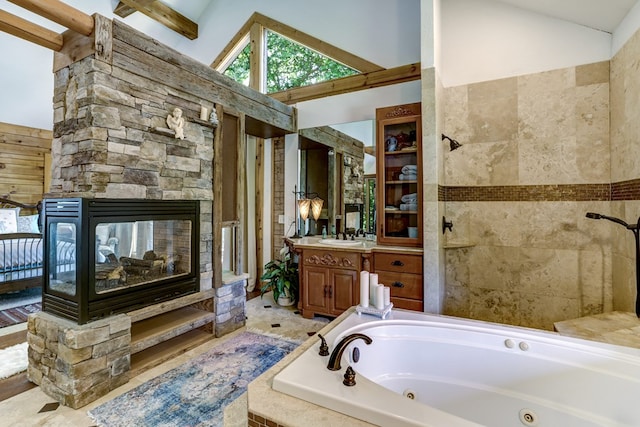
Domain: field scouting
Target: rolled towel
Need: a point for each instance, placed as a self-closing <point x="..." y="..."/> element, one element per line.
<point x="408" y="206"/>
<point x="410" y="198"/>
<point x="410" y="169"/>
<point x="408" y="177"/>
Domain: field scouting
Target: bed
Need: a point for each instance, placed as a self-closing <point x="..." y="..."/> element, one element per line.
<point x="20" y="246"/>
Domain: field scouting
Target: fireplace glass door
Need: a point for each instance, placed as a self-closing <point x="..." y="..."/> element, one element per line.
<point x="129" y="254"/>
<point x="62" y="260"/>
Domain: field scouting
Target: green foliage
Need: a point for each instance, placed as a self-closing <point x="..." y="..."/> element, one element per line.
<point x="281" y="277"/>
<point x="289" y="65"/>
<point x="238" y="70"/>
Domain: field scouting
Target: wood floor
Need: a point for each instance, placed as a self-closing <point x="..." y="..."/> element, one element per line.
<point x="19" y="383"/>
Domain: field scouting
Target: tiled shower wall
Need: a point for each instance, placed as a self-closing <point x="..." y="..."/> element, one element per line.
<point x="535" y="158"/>
<point x="625" y="169"/>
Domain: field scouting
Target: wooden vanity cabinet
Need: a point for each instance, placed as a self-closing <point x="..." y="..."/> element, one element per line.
<point x="330" y="281"/>
<point x="403" y="274"/>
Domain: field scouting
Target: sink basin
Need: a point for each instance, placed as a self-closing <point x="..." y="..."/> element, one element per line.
<point x="340" y="243"/>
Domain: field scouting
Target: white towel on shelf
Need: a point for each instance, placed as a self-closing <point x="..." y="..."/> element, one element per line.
<point x="410" y="198"/>
<point x="408" y="206"/>
<point x="408" y="177"/>
<point x="410" y="169"/>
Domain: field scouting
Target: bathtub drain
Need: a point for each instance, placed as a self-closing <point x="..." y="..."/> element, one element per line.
<point x="410" y="394"/>
<point x="528" y="417"/>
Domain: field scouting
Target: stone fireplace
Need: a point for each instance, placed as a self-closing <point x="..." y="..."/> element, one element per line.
<point x="115" y="91"/>
<point x="109" y="256"/>
<point x="112" y="145"/>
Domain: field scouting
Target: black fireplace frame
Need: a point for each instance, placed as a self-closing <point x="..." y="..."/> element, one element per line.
<point x="88" y="305"/>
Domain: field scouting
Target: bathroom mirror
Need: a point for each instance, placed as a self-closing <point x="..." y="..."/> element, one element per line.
<point x="327" y="168"/>
<point x="363" y="131"/>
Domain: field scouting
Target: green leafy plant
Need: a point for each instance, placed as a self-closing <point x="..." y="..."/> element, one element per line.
<point x="281" y="277"/>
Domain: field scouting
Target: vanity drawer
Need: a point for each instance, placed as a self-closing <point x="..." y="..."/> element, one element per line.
<point x="402" y="285"/>
<point x="407" y="304"/>
<point x="330" y="258"/>
<point x="401" y="263"/>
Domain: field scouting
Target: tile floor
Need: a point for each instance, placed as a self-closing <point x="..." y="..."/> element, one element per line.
<point x="34" y="408"/>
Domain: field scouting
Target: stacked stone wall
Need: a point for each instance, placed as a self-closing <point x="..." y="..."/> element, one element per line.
<point x="76" y="364"/>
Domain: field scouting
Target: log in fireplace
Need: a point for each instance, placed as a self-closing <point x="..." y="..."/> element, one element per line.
<point x="108" y="256"/>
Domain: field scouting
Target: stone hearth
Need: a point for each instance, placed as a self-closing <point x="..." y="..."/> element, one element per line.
<point x="76" y="364"/>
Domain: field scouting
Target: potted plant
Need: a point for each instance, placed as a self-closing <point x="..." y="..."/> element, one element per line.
<point x="281" y="277"/>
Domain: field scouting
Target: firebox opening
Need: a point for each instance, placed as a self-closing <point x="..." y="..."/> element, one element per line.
<point x="108" y="256"/>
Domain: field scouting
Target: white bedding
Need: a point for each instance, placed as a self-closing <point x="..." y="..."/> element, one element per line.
<point x="27" y="253"/>
<point x="20" y="252"/>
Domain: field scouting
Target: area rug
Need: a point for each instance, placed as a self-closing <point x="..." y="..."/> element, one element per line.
<point x="13" y="360"/>
<point x="196" y="393"/>
<point x="15" y="315"/>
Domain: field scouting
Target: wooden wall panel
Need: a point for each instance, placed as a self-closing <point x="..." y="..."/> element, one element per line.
<point x="22" y="162"/>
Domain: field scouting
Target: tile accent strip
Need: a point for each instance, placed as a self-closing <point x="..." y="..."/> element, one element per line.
<point x="258" y="421"/>
<point x="535" y="193"/>
<point x="626" y="190"/>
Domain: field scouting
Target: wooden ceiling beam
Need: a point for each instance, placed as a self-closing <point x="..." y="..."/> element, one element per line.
<point x="402" y="74"/>
<point x="60" y="13"/>
<point x="162" y="13"/>
<point x="123" y="10"/>
<point x="30" y="32"/>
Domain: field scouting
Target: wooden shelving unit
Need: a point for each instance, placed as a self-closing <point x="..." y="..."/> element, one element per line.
<point x="399" y="147"/>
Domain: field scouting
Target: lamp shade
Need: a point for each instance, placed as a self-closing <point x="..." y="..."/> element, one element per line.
<point x="303" y="205"/>
<point x="316" y="207"/>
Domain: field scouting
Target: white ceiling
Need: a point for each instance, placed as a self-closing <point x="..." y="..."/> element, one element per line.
<point x="604" y="15"/>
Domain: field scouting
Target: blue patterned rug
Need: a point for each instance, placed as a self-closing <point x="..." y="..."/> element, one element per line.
<point x="196" y="393"/>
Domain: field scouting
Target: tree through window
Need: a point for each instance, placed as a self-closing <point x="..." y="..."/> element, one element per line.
<point x="289" y="65"/>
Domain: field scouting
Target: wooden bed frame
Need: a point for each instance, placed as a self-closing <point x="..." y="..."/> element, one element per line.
<point x="29" y="279"/>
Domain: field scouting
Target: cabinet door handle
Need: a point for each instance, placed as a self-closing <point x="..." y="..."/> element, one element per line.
<point x="397" y="285"/>
<point x="325" y="291"/>
<point x="397" y="263"/>
<point x="330" y="291"/>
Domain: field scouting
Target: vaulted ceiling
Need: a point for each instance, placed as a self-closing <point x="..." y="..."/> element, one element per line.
<point x="603" y="15"/>
<point x="188" y="26"/>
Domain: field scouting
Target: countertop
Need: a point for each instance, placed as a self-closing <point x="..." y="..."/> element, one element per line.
<point x="358" y="245"/>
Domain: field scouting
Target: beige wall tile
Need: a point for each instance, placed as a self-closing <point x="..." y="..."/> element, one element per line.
<point x="592" y="73"/>
<point x="494" y="267"/>
<point x="541" y="311"/>
<point x="549" y="272"/>
<point x="493" y="111"/>
<point x="548" y="160"/>
<point x="490" y="163"/>
<point x="495" y="306"/>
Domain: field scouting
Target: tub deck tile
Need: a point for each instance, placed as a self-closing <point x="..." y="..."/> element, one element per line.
<point x="617" y="327"/>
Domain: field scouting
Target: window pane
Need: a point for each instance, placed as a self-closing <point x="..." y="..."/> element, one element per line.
<point x="238" y="70"/>
<point x="290" y="65"/>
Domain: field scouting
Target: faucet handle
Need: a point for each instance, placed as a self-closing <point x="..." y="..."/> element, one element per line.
<point x="324" y="348"/>
<point x="349" y="377"/>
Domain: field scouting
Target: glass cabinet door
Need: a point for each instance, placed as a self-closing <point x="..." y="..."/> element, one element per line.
<point x="399" y="175"/>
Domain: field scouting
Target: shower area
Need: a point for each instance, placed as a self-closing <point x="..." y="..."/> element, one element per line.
<point x="537" y="153"/>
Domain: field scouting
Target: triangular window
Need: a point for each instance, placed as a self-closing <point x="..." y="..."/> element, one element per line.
<point x="240" y="67"/>
<point x="289" y="65"/>
<point x="287" y="58"/>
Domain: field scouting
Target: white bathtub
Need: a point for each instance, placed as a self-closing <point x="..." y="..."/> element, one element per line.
<point x="464" y="373"/>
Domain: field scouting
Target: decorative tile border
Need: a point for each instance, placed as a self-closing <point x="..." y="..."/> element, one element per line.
<point x="536" y="193"/>
<point x="626" y="190"/>
<point x="258" y="421"/>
